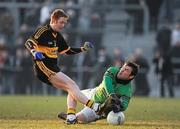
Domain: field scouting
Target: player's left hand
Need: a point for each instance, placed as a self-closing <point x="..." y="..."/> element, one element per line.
<point x="116" y="108"/>
<point x="115" y="103"/>
<point x="87" y="46"/>
<point x="114" y="99"/>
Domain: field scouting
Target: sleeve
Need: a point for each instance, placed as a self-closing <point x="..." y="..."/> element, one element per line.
<point x="64" y="48"/>
<point x="124" y="102"/>
<point x="108" y="80"/>
<point x="39" y="37"/>
<point x="74" y="51"/>
<point x="30" y="44"/>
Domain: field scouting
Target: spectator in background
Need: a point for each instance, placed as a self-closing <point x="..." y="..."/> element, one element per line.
<point x="153" y="8"/>
<point x="176" y="34"/>
<point x="2" y="51"/>
<point x="162" y="59"/>
<point x="118" y="58"/>
<point x="165" y="70"/>
<point x="74" y="18"/>
<point x="86" y="61"/>
<point x="103" y="62"/>
<point x="24" y="32"/>
<point x="137" y="15"/>
<point x="88" y="64"/>
<point x="19" y="86"/>
<point x="45" y="12"/>
<point x="72" y="25"/>
<point x="84" y="22"/>
<point x="84" y="19"/>
<point x="175" y="55"/>
<point x="31" y="17"/>
<point x="2" y="62"/>
<point x="27" y="71"/>
<point x="97" y="23"/>
<point x="23" y="66"/>
<point x="163" y="38"/>
<point x="6" y="21"/>
<point x="142" y="87"/>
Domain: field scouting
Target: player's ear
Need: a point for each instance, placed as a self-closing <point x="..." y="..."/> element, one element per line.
<point x="131" y="77"/>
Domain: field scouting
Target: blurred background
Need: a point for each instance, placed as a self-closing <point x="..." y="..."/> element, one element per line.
<point x="146" y="31"/>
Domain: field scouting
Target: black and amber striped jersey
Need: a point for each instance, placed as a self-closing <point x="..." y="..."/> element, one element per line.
<point x="50" y="43"/>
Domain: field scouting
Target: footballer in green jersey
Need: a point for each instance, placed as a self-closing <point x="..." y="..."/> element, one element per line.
<point x="114" y="93"/>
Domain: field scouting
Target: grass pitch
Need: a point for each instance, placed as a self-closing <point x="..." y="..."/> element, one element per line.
<point x="40" y="112"/>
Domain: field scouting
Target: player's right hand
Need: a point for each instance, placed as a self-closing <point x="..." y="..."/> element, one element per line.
<point x="87" y="46"/>
<point x="38" y="55"/>
<point x="114" y="99"/>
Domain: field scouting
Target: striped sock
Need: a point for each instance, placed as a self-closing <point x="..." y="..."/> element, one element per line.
<point x="71" y="111"/>
<point x="71" y="114"/>
<point x="90" y="103"/>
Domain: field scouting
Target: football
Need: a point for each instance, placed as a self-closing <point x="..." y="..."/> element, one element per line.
<point x="116" y="118"/>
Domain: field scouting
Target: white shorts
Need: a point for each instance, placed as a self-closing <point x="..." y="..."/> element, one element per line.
<point x="89" y="92"/>
<point x="88" y="113"/>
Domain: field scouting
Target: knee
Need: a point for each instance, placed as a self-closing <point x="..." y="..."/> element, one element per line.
<point x="72" y="85"/>
<point x="82" y="117"/>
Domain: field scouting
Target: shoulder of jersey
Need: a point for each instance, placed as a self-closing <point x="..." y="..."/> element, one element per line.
<point x="40" y="31"/>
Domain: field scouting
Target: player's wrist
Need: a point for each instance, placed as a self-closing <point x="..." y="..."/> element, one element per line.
<point x="33" y="52"/>
<point x="83" y="49"/>
<point x="112" y="94"/>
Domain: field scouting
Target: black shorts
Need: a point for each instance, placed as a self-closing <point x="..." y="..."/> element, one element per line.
<point x="44" y="70"/>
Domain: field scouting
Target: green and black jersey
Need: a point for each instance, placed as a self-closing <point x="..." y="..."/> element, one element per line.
<point x="110" y="84"/>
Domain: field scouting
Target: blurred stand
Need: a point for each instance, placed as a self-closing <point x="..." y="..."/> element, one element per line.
<point x="118" y="25"/>
<point x="103" y="62"/>
<point x="142" y="87"/>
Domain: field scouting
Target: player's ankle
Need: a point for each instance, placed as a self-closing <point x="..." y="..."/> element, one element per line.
<point x="71" y="111"/>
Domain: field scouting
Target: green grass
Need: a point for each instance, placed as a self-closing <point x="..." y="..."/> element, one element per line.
<point x="40" y="112"/>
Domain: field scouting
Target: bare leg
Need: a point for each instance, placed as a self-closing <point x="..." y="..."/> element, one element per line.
<point x="71" y="102"/>
<point x="60" y="80"/>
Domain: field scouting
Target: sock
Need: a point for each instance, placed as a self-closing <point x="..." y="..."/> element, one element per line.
<point x="92" y="105"/>
<point x="71" y="114"/>
<point x="89" y="103"/>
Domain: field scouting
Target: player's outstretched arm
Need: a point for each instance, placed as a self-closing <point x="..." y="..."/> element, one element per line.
<point x="86" y="47"/>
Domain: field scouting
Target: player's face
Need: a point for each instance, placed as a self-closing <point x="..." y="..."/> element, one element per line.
<point x="60" y="23"/>
<point x="125" y="73"/>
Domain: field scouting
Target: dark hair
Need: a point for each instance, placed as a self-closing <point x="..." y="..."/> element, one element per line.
<point x="134" y="66"/>
<point x="57" y="13"/>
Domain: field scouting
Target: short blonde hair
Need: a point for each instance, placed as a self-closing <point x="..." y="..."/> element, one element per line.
<point x="57" y="13"/>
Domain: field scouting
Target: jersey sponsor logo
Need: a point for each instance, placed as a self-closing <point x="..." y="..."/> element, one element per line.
<point x="50" y="43"/>
<point x="53" y="43"/>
